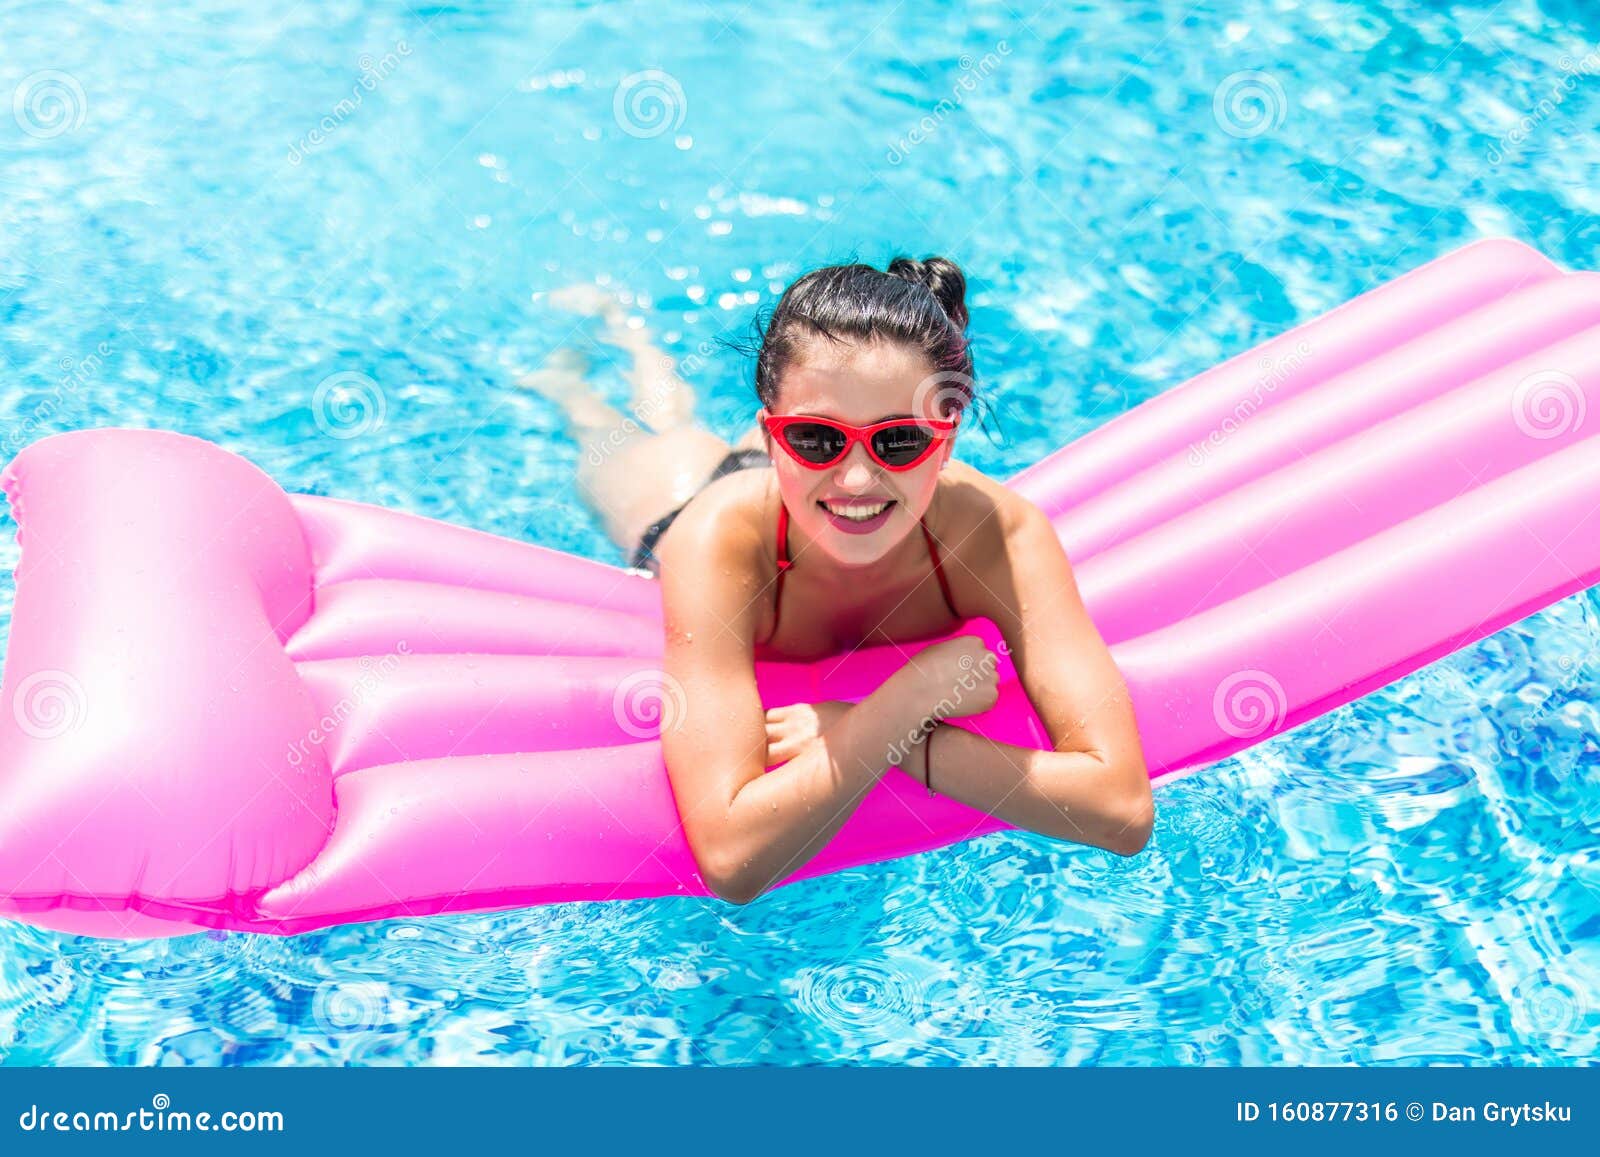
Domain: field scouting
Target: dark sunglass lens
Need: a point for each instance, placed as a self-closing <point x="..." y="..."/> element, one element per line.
<point x="899" y="445"/>
<point x="814" y="442"/>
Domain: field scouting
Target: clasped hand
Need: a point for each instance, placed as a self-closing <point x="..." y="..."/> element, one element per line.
<point x="791" y="727"/>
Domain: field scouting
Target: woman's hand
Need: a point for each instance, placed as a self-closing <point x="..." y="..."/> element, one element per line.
<point x="790" y="728"/>
<point x="956" y="677"/>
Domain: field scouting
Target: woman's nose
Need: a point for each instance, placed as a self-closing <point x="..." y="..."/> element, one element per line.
<point x="855" y="468"/>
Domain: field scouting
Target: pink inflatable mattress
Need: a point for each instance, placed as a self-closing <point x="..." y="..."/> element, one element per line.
<point x="225" y="706"/>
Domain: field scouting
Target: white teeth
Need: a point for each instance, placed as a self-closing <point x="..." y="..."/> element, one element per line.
<point x="856" y="512"/>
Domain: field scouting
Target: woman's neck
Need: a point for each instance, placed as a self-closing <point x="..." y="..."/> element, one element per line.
<point x="902" y="566"/>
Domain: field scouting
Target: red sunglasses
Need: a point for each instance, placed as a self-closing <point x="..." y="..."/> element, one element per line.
<point x="898" y="444"/>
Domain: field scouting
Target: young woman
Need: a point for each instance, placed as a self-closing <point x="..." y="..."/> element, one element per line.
<point x="842" y="521"/>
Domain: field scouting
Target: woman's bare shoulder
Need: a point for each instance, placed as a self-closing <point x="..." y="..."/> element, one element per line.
<point x="986" y="530"/>
<point x="723" y="528"/>
<point x="981" y="512"/>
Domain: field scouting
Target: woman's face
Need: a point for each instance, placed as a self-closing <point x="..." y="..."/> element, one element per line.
<point x="858" y="384"/>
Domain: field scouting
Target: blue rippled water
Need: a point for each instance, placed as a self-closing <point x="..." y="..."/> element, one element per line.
<point x="208" y="212"/>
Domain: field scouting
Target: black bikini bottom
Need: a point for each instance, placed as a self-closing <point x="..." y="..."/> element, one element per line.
<point x="644" y="556"/>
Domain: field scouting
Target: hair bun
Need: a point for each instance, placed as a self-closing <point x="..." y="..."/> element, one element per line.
<point x="944" y="280"/>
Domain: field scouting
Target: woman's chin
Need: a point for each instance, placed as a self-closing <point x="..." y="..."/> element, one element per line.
<point x="859" y="551"/>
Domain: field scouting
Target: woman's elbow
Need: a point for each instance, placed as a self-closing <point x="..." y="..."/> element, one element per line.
<point x="1138" y="821"/>
<point x="732" y="890"/>
<point x="729" y="880"/>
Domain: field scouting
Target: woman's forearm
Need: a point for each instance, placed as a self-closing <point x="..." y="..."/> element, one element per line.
<point x="1069" y="795"/>
<point x="781" y="819"/>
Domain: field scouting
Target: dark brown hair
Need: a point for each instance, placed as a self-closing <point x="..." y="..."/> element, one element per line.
<point x="920" y="304"/>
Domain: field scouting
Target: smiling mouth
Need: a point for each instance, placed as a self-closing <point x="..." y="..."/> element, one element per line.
<point x="856" y="511"/>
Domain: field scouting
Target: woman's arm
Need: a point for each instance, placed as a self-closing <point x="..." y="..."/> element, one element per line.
<point x="1093" y="788"/>
<point x="748" y="828"/>
<point x="779" y="820"/>
<point x="1076" y="796"/>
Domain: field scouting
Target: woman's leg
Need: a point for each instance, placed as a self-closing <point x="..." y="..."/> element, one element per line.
<point x="660" y="399"/>
<point x="629" y="475"/>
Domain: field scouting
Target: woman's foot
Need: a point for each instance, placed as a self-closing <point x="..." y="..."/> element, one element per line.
<point x="628" y="476"/>
<point x="561" y="371"/>
<point x="588" y="300"/>
<point x="564" y="380"/>
<point x="661" y="399"/>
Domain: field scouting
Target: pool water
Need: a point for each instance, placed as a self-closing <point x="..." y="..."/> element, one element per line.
<point x="321" y="235"/>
